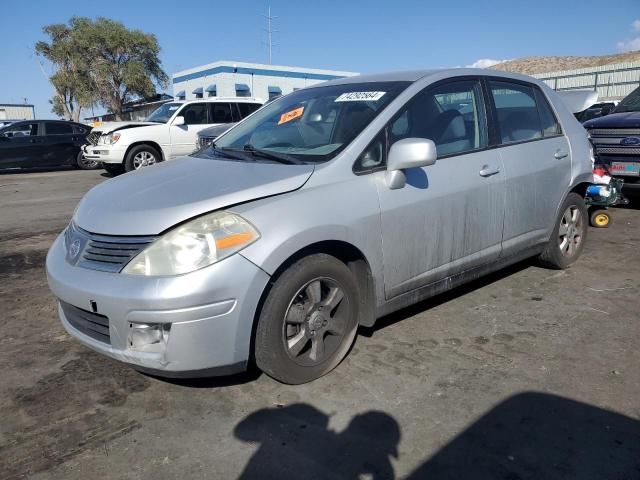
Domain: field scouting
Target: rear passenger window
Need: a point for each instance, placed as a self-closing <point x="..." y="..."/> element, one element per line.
<point x="220" y="113"/>
<point x="518" y="118"/>
<point x="247" y="109"/>
<point x="52" y="128"/>
<point x="550" y="126"/>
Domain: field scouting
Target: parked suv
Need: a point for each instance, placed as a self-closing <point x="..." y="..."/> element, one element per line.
<point x="324" y="210"/>
<point x="169" y="132"/>
<point x="616" y="139"/>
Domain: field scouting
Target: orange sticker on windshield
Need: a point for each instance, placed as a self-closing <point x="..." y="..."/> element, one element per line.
<point x="291" y="115"/>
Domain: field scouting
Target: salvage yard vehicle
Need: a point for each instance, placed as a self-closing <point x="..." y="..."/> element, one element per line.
<point x="324" y="210"/>
<point x="616" y="139"/>
<point x="43" y="144"/>
<point x="169" y="132"/>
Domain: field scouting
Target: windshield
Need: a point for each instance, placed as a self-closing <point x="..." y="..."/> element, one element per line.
<point x="311" y="125"/>
<point x="163" y="113"/>
<point x="630" y="103"/>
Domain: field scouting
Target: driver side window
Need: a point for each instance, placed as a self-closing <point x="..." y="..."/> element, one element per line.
<point x="22" y="130"/>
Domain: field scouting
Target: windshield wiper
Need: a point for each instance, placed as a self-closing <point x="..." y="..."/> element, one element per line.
<point x="278" y="157"/>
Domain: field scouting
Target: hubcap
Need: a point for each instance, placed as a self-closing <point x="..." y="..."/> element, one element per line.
<point x="143" y="159"/>
<point x="570" y="231"/>
<point x="315" y="321"/>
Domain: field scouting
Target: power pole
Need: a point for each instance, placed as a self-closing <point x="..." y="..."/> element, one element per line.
<point x="270" y="32"/>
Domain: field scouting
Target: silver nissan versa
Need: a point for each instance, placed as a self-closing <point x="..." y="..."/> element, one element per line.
<point x="324" y="210"/>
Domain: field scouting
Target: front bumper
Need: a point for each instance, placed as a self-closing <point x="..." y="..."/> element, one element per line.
<point x="105" y="153"/>
<point x="211" y="312"/>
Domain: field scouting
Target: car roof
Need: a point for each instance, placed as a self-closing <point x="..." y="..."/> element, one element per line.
<point x="223" y="99"/>
<point x="415" y="75"/>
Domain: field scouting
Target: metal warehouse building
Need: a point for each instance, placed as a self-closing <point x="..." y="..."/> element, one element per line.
<point x="239" y="79"/>
<point x="16" y="111"/>
<point x="612" y="82"/>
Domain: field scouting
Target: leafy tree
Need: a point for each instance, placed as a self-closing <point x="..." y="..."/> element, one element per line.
<point x="102" y="62"/>
<point x="72" y="83"/>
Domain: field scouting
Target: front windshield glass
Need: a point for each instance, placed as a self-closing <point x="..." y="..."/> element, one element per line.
<point x="630" y="103"/>
<point x="163" y="113"/>
<point x="311" y="125"/>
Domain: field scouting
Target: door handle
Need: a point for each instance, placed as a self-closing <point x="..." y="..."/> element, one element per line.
<point x="487" y="170"/>
<point x="560" y="154"/>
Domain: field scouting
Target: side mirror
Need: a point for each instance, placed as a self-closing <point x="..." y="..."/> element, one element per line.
<point x="408" y="153"/>
<point x="178" y="121"/>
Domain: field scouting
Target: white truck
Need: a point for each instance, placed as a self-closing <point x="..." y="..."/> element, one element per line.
<point x="169" y="132"/>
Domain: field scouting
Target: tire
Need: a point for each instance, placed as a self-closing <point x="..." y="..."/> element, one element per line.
<point x="600" y="219"/>
<point x="141" y="156"/>
<point x="84" y="163"/>
<point x="113" y="168"/>
<point x="564" y="249"/>
<point x="305" y="327"/>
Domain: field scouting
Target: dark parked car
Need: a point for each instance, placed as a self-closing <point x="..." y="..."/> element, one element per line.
<point x="43" y="143"/>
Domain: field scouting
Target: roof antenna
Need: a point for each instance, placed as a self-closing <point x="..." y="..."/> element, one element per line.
<point x="270" y="31"/>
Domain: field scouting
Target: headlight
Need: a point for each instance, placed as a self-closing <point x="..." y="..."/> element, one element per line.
<point x="194" y="245"/>
<point x="111" y="138"/>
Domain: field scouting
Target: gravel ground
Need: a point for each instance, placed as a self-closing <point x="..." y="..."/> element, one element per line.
<point x="529" y="373"/>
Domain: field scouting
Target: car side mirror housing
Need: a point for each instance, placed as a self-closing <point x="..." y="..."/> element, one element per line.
<point x="178" y="121"/>
<point x="408" y="153"/>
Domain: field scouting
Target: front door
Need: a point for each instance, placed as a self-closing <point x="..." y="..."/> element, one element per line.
<point x="448" y="217"/>
<point x="184" y="137"/>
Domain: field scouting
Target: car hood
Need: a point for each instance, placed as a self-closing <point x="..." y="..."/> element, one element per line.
<point x="615" y="120"/>
<point x="109" y="127"/>
<point x="154" y="199"/>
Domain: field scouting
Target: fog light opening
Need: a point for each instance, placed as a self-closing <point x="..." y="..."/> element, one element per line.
<point x="148" y="337"/>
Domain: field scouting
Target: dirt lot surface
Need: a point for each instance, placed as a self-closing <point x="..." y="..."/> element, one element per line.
<point x="530" y="373"/>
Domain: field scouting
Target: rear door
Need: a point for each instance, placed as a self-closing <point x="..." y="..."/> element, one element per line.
<point x="536" y="159"/>
<point x="58" y="139"/>
<point x="20" y="145"/>
<point x="448" y="217"/>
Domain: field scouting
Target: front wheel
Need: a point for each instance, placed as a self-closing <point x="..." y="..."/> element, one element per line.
<point x="308" y="321"/>
<point x="141" y="156"/>
<point x="569" y="234"/>
<point x="84" y="163"/>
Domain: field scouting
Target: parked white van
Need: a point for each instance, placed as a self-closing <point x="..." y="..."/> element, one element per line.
<point x="169" y="132"/>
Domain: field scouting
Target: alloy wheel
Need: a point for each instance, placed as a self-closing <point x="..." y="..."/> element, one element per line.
<point x="570" y="231"/>
<point x="143" y="159"/>
<point x="315" y="322"/>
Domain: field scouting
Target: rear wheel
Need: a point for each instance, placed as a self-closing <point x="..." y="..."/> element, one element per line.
<point x="569" y="234"/>
<point x="308" y="321"/>
<point x="141" y="156"/>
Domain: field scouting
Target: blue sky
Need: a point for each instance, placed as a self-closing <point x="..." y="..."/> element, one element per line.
<point x="365" y="36"/>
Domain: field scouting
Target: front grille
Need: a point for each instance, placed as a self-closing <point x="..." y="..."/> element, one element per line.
<point x="91" y="324"/>
<point x="106" y="253"/>
<point x="204" y="142"/>
<point x="614" y="132"/>
<point x="93" y="138"/>
<point x="601" y="149"/>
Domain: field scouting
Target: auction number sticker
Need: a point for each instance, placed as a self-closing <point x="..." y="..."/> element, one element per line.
<point x="360" y="97"/>
<point x="291" y="115"/>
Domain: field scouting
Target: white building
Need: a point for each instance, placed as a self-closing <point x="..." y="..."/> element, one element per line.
<point x="240" y="79"/>
<point x="16" y="111"/>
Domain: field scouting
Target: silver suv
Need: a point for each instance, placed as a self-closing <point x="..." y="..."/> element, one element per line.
<point x="324" y="210"/>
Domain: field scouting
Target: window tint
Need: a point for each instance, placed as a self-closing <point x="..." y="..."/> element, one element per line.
<point x="550" y="126"/>
<point x="247" y="109"/>
<point x="81" y="130"/>
<point x="518" y="118"/>
<point x="21" y="130"/>
<point x="51" y="128"/>
<point x="195" y="114"/>
<point x="451" y="114"/>
<point x="220" y="113"/>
